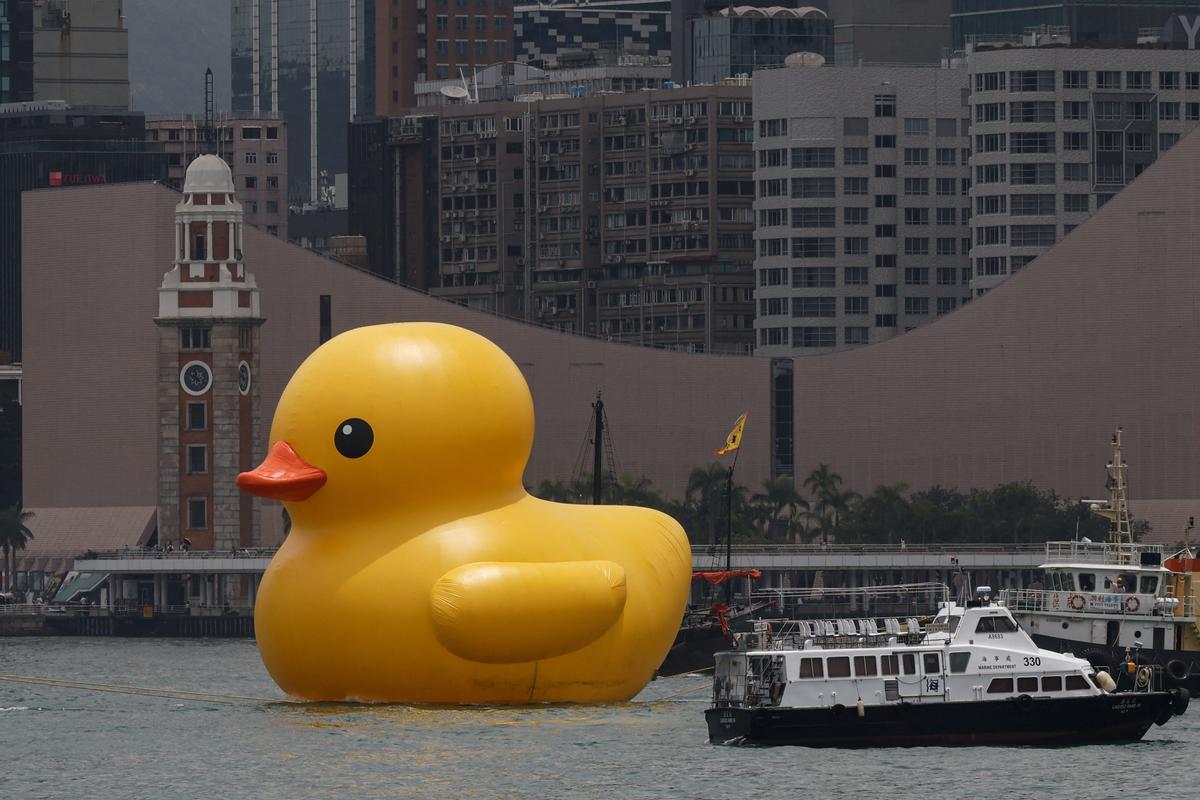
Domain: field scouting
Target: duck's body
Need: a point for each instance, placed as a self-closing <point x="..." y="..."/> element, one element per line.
<point x="443" y="591"/>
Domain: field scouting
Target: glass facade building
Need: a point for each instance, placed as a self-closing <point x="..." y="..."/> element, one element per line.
<point x="736" y="41"/>
<point x="541" y="31"/>
<point x="1104" y="23"/>
<point x="16" y="50"/>
<point x="311" y="62"/>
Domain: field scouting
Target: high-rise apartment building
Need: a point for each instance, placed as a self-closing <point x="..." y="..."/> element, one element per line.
<point x="626" y="216"/>
<point x="542" y="32"/>
<point x="16" y="51"/>
<point x="1057" y="132"/>
<point x="862" y="203"/>
<point x="312" y="64"/>
<point x="81" y="53"/>
<point x="254" y="149"/>
<point x="435" y="40"/>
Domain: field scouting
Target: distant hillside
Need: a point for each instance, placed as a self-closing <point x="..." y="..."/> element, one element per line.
<point x="171" y="42"/>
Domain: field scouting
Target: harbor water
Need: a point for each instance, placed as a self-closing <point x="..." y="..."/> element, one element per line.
<point x="68" y="742"/>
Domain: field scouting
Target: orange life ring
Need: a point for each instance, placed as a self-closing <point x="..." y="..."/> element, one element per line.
<point x="1132" y="604"/>
<point x="1076" y="602"/>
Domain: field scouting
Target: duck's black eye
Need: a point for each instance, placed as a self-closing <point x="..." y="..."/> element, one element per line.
<point x="354" y="438"/>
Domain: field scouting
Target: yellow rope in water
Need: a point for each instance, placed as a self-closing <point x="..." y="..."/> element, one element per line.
<point x="176" y="694"/>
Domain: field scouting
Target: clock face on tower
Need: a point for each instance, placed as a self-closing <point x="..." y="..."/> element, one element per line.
<point x="244" y="378"/>
<point x="195" y="378"/>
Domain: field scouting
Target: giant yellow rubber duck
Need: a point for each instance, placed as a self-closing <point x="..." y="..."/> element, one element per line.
<point x="418" y="569"/>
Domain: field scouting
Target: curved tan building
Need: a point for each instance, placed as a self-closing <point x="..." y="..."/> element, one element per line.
<point x="1025" y="383"/>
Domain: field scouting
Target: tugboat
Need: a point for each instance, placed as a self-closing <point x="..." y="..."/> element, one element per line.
<point x="1103" y="600"/>
<point x="971" y="677"/>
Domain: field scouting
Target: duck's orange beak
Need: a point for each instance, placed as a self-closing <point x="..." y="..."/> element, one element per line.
<point x="283" y="475"/>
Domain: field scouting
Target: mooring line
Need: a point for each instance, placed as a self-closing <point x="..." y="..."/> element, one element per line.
<point x="176" y="694"/>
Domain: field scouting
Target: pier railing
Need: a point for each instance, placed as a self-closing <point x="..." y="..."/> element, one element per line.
<point x="1099" y="552"/>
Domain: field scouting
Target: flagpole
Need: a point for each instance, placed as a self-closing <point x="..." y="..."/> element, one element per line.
<point x="729" y="527"/>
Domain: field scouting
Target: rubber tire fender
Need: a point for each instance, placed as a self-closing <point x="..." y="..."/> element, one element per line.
<point x="1177" y="670"/>
<point x="1180" y="698"/>
<point x="1024" y="702"/>
<point x="836" y="710"/>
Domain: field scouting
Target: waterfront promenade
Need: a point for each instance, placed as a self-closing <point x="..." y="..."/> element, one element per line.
<point x="202" y="592"/>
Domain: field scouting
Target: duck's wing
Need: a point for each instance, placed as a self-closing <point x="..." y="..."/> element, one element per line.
<point x="513" y="612"/>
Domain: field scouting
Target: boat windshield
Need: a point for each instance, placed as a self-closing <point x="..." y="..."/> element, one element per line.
<point x="950" y="621"/>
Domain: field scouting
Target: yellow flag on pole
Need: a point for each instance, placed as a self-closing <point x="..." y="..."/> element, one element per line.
<point x="734" y="440"/>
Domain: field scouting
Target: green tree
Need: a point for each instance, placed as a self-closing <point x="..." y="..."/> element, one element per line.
<point x="705" y="497"/>
<point x="831" y="503"/>
<point x="14" y="535"/>
<point x="780" y="507"/>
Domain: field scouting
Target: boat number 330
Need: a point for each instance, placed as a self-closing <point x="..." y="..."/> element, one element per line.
<point x="1033" y="661"/>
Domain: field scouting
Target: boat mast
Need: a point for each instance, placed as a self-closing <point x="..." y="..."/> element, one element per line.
<point x="597" y="445"/>
<point x="1120" y="531"/>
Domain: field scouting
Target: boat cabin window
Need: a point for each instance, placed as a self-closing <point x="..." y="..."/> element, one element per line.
<point x="865" y="666"/>
<point x="1027" y="685"/>
<point x="959" y="661"/>
<point x="1053" y="581"/>
<point x="1000" y="686"/>
<point x="839" y="667"/>
<point x="1066" y="582"/>
<point x="1149" y="584"/>
<point x="811" y="668"/>
<point x="1052" y="684"/>
<point x="1076" y="682"/>
<point x="889" y="665"/>
<point x="909" y="660"/>
<point x="995" y="624"/>
<point x="933" y="663"/>
<point x="1087" y="582"/>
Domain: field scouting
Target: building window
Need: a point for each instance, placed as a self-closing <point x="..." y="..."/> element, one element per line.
<point x="272" y="182"/>
<point x="855" y="276"/>
<point x="856" y="305"/>
<point x="502" y="52"/>
<point x="197" y="416"/>
<point x="814" y="337"/>
<point x="916" y="156"/>
<point x="855" y="335"/>
<point x="916" y="306"/>
<point x="251" y="182"/>
<point x="947" y="276"/>
<point x="854" y="156"/>
<point x="885" y="142"/>
<point x="1075" y="172"/>
<point x="251" y="158"/>
<point x="272" y="158"/>
<point x="1075" y="203"/>
<point x="1075" y="79"/>
<point x="1168" y="80"/>
<point x="1139" y="79"/>
<point x="916" y="246"/>
<point x="442" y="23"/>
<point x="885" y="105"/>
<point x="946" y="304"/>
<point x="1075" y="140"/>
<point x="245" y="338"/>
<point x="1108" y="79"/>
<point x="195" y="338"/>
<point x="1075" y="110"/>
<point x="197" y="459"/>
<point x="460" y="48"/>
<point x="442" y="47"/>
<point x="481" y="48"/>
<point x="915" y="127"/>
<point x="1168" y="112"/>
<point x="946" y="157"/>
<point x="857" y="186"/>
<point x="947" y="246"/>
<point x="916" y="276"/>
<point x="197" y="513"/>
<point x="885" y="320"/>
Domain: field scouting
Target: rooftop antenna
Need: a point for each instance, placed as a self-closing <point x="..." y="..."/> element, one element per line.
<point x="208" y="111"/>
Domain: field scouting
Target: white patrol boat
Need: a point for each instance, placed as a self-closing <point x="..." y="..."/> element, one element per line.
<point x="972" y="676"/>
<point x="1115" y="600"/>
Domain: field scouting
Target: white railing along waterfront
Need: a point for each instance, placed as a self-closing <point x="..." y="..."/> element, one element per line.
<point x="241" y="552"/>
<point x="866" y="549"/>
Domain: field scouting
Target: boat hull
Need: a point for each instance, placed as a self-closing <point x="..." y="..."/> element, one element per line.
<point x="1185" y="673"/>
<point x="1122" y="717"/>
<point x="694" y="650"/>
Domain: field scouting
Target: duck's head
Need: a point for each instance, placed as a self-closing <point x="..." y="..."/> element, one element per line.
<point x="398" y="417"/>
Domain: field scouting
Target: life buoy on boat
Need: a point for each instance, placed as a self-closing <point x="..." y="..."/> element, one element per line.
<point x="1076" y="602"/>
<point x="1132" y="604"/>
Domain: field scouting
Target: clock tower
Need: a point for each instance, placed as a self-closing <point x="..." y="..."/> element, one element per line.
<point x="208" y="399"/>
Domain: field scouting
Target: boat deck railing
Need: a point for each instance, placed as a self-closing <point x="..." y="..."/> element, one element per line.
<point x="829" y="634"/>
<point x="1134" y="605"/>
<point x="1099" y="552"/>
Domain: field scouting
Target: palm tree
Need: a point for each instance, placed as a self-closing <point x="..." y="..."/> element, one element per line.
<point x="779" y="495"/>
<point x="14" y="535"/>
<point x="832" y="503"/>
<point x="706" y="497"/>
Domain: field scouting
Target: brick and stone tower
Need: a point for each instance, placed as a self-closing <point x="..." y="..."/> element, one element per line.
<point x="208" y="398"/>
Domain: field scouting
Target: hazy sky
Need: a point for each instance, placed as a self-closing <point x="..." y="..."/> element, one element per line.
<point x="171" y="42"/>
